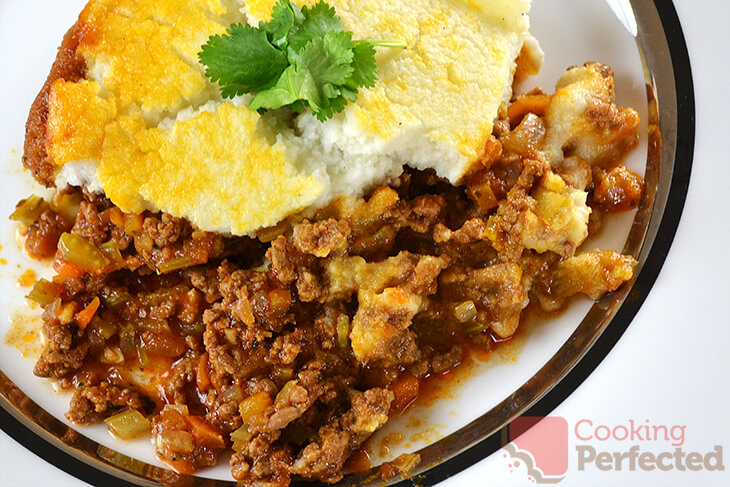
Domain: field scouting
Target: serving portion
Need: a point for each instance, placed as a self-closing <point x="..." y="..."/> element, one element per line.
<point x="300" y="284"/>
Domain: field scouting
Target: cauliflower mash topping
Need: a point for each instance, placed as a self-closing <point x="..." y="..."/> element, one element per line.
<point x="147" y="127"/>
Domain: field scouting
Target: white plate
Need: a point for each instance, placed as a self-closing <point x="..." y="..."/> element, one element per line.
<point x="571" y="32"/>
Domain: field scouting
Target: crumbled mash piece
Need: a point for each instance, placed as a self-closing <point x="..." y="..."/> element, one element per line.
<point x="583" y="120"/>
<point x="152" y="132"/>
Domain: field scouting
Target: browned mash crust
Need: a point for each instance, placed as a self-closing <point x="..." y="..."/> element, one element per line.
<point x="70" y="67"/>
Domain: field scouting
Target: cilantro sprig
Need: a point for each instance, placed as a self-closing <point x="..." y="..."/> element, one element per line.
<point x="301" y="58"/>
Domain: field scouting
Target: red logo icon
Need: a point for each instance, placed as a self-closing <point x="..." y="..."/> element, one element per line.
<point x="541" y="443"/>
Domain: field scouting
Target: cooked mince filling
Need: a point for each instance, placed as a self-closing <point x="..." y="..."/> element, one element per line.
<point x="293" y="347"/>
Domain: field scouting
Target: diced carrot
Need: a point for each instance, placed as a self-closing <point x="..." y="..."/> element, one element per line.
<point x="405" y="390"/>
<point x="492" y="152"/>
<point x="253" y="405"/>
<point x="116" y="217"/>
<point x="84" y="316"/>
<point x="205" y="433"/>
<point x="202" y="378"/>
<point x="67" y="271"/>
<point x="359" y="462"/>
<point x="528" y="103"/>
<point x="483" y="195"/>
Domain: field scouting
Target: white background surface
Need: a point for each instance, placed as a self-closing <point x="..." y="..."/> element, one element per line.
<point x="671" y="364"/>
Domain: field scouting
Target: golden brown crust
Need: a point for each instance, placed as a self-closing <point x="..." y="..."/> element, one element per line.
<point x="70" y="67"/>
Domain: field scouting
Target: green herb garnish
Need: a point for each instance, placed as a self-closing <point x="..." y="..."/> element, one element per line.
<point x="300" y="58"/>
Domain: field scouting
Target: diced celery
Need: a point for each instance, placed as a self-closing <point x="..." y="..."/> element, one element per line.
<point x="478" y="327"/>
<point x="343" y="330"/>
<point x="126" y="340"/>
<point x="116" y="298"/>
<point x="44" y="292"/>
<point x="104" y="328"/>
<point x="67" y="205"/>
<point x="80" y="252"/>
<point x="196" y="329"/>
<point x="110" y="249"/>
<point x="176" y="264"/>
<point x="28" y="211"/>
<point x="240" y="437"/>
<point x="286" y="390"/>
<point x="128" y="424"/>
<point x="284" y="374"/>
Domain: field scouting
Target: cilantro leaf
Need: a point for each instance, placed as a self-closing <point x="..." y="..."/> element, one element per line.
<point x="317" y="21"/>
<point x="242" y="61"/>
<point x="329" y="57"/>
<point x="301" y="58"/>
<point x="314" y="77"/>
<point x="283" y="18"/>
<point x="293" y="86"/>
<point x="366" y="68"/>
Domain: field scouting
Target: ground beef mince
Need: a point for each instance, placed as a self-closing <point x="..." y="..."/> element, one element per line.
<point x="292" y="348"/>
<point x="92" y="403"/>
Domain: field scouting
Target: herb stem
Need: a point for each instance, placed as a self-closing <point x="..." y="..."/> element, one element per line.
<point x="395" y="43"/>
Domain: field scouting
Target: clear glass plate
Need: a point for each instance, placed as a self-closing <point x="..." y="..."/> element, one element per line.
<point x="642" y="41"/>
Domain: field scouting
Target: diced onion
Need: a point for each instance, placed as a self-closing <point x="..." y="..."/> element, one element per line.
<point x="466" y="311"/>
<point x="177" y="441"/>
<point x="104" y="328"/>
<point x="128" y="424"/>
<point x="112" y="355"/>
<point x="406" y="462"/>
